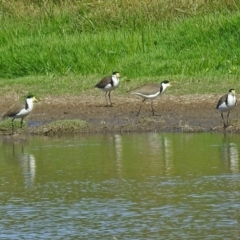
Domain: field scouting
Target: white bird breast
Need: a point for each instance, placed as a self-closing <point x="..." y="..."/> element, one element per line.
<point x="108" y="87"/>
<point x="147" y="96"/>
<point x="224" y="107"/>
<point x="23" y="113"/>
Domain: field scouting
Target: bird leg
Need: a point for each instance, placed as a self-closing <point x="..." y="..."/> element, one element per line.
<point x="21" y="122"/>
<point x="227" y="116"/>
<point x="141" y="106"/>
<point x="12" y="124"/>
<point x="110" y="99"/>
<point x="108" y="105"/>
<point x="152" y="108"/>
<point x="224" y="124"/>
<point x="106" y="99"/>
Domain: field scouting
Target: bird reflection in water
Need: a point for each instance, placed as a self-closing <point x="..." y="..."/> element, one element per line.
<point x="26" y="160"/>
<point x="28" y="164"/>
<point x="118" y="153"/>
<point x="160" y="151"/>
<point x="230" y="155"/>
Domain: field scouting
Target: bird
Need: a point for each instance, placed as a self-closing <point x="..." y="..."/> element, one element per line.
<point x="107" y="84"/>
<point x="227" y="103"/>
<point x="21" y="111"/>
<point x="150" y="91"/>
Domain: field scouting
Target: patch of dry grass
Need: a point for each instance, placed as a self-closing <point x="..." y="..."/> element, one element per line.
<point x="91" y="9"/>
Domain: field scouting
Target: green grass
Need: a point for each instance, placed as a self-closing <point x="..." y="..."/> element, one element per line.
<point x="6" y="126"/>
<point x="65" y="47"/>
<point x="62" y="126"/>
<point x="73" y="85"/>
<point x="196" y="46"/>
<point x="55" y="127"/>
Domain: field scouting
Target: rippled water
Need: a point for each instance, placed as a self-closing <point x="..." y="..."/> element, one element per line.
<point x="137" y="186"/>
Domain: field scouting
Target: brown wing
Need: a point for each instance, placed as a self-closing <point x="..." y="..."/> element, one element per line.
<point x="105" y="81"/>
<point x="222" y="99"/>
<point x="149" y="88"/>
<point x="13" y="110"/>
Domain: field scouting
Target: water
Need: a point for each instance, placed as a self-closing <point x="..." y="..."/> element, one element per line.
<point x="138" y="186"/>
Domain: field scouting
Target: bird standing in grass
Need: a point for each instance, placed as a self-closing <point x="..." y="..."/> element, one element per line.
<point x="227" y="103"/>
<point x="21" y="111"/>
<point x="107" y="84"/>
<point x="150" y="91"/>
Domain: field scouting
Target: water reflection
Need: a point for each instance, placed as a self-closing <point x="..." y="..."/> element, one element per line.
<point x="168" y="150"/>
<point x="152" y="153"/>
<point x="161" y="145"/>
<point x="28" y="164"/>
<point x="132" y="186"/>
<point x="230" y="155"/>
<point x="21" y="157"/>
<point x="118" y="152"/>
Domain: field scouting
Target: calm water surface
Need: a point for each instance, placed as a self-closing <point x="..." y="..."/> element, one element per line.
<point x="138" y="186"/>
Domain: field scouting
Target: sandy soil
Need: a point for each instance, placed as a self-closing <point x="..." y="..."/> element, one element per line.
<point x="188" y="113"/>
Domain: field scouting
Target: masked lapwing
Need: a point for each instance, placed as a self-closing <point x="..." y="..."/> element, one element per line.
<point x="107" y="84"/>
<point x="227" y="103"/>
<point x="150" y="91"/>
<point x="21" y="110"/>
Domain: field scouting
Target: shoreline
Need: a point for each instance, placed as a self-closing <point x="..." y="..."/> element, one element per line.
<point x="87" y="114"/>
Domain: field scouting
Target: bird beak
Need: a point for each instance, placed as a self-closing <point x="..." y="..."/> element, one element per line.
<point x="34" y="99"/>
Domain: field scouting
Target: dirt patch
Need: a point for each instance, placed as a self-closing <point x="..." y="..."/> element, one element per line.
<point x="188" y="113"/>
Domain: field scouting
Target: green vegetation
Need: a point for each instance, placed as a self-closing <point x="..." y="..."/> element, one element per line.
<point x="65" y="46"/>
<point x="62" y="126"/>
<point x="6" y="126"/>
<point x="55" y="127"/>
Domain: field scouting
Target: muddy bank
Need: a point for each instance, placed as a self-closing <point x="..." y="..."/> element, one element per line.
<point x="188" y="113"/>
